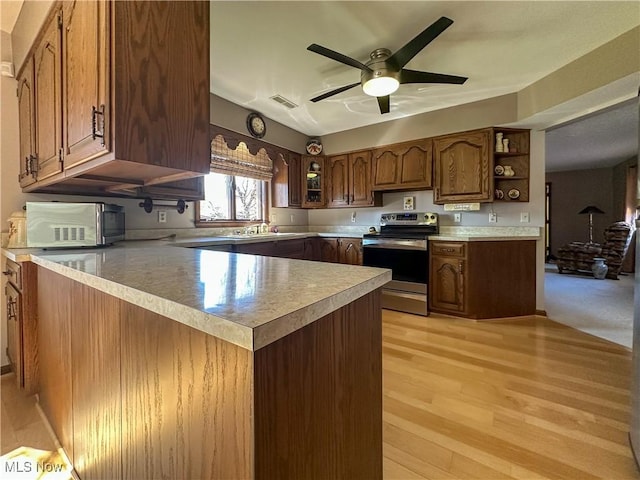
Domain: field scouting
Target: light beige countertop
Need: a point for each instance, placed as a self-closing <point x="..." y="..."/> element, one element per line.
<point x="480" y="238"/>
<point x="247" y="300"/>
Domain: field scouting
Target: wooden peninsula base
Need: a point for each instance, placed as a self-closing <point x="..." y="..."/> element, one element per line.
<point x="132" y="394"/>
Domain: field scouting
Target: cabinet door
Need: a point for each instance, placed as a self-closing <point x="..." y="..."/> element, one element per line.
<point x="85" y="80"/>
<point x="416" y="164"/>
<point x="386" y="167"/>
<point x="26" y="115"/>
<point x="447" y="284"/>
<point x="338" y="185"/>
<point x="350" y="251"/>
<point x="14" y="331"/>
<point x="48" y="97"/>
<point x="360" y="179"/>
<point x="462" y="165"/>
<point x="312" y="249"/>
<point x="295" y="180"/>
<point x="328" y="250"/>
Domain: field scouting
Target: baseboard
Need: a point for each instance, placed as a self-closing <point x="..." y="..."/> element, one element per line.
<point x="5" y="369"/>
<point x="542" y="313"/>
<point x="56" y="442"/>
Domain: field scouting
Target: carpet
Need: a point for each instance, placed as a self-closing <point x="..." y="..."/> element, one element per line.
<point x="603" y="308"/>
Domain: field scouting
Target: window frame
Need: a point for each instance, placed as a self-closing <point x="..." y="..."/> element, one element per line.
<point x="199" y="222"/>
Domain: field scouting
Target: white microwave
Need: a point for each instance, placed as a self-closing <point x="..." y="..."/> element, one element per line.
<point x="69" y="225"/>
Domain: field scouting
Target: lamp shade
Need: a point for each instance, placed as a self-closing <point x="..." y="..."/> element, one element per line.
<point x="590" y="209"/>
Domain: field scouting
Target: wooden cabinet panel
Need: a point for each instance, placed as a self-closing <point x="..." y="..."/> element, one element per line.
<point x="403" y="166"/>
<point x="26" y="115"/>
<point x="312" y="249"/>
<point x="447" y="284"/>
<point x="350" y="251"/>
<point x="162" y="94"/>
<point x="56" y="301"/>
<point x="187" y="401"/>
<point x="318" y="398"/>
<point x="328" y="248"/>
<point x="491" y="279"/>
<point x="360" y="164"/>
<point x="86" y="80"/>
<point x="14" y="330"/>
<point x="350" y="181"/>
<point x="286" y="184"/>
<point x="96" y="404"/>
<point x="462" y="168"/>
<point x="338" y="184"/>
<point x="48" y="102"/>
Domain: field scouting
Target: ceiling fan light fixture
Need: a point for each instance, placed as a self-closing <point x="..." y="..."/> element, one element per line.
<point x="380" y="86"/>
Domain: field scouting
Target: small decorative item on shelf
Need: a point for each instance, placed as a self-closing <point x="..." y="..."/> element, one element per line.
<point x="599" y="268"/>
<point x="499" y="144"/>
<point x="315" y="166"/>
<point x="508" y="171"/>
<point x="505" y="145"/>
<point x="499" y="194"/>
<point x="513" y="194"/>
<point x="499" y="170"/>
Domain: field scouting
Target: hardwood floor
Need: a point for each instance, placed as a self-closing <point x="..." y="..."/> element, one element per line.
<point x="527" y="398"/>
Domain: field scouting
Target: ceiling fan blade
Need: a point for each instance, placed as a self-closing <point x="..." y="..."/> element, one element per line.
<point x="334" y="92"/>
<point x="383" y="103"/>
<point x="338" y="57"/>
<point x="411" y="49"/>
<point x="414" y="76"/>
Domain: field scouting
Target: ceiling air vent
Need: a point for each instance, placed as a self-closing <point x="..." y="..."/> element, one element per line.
<point x="283" y="101"/>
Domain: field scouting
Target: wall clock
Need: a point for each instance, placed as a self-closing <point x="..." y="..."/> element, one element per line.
<point x="256" y="126"/>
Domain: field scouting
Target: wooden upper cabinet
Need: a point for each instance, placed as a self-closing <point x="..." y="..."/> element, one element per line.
<point x="350" y="181"/>
<point x="403" y="166"/>
<point x="48" y="101"/>
<point x="85" y="26"/>
<point x="127" y="83"/>
<point x="338" y="185"/>
<point x="313" y="182"/>
<point x="462" y="167"/>
<point x="26" y="114"/>
<point x="286" y="183"/>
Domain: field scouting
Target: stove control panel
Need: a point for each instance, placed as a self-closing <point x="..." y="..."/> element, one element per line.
<point x="409" y="218"/>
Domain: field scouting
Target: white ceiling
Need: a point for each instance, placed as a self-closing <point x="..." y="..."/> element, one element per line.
<point x="258" y="49"/>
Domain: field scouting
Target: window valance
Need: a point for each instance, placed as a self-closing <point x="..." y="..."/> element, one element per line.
<point x="239" y="160"/>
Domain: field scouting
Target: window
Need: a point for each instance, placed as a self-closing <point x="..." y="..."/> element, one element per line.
<point x="232" y="199"/>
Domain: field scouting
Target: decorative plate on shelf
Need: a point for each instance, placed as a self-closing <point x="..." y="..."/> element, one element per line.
<point x="513" y="193"/>
<point x="499" y="170"/>
<point x="314" y="147"/>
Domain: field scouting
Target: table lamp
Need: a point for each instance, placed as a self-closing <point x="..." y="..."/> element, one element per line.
<point x="590" y="210"/>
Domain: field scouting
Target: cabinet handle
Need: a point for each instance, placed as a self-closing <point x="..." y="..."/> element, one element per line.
<point x="7" y="272"/>
<point x="33" y="166"/>
<point x="94" y="123"/>
<point x="27" y="165"/>
<point x="11" y="309"/>
<point x="460" y="267"/>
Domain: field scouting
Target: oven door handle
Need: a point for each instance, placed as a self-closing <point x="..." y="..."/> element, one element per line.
<point x="396" y="244"/>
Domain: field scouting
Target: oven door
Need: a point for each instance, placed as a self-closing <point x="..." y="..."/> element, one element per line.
<point x="409" y="263"/>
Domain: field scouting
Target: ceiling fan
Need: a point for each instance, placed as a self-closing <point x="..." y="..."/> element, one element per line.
<point x="384" y="72"/>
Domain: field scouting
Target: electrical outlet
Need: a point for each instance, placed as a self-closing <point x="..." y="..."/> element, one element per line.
<point x="273" y="217"/>
<point x="524" y="217"/>
<point x="457" y="217"/>
<point x="162" y="216"/>
<point x="353" y="217"/>
<point x="493" y="217"/>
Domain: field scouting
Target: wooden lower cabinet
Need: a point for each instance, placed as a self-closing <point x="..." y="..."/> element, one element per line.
<point x="350" y="251"/>
<point x="482" y="279"/>
<point x="132" y="394"/>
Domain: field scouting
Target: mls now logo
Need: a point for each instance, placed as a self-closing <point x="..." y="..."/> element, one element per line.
<point x="24" y="468"/>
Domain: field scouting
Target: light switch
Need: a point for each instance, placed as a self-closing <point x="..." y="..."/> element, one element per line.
<point x="524" y="217"/>
<point x="457" y="217"/>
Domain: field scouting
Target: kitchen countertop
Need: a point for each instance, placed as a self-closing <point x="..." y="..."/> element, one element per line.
<point x="247" y="300"/>
<point x="480" y="238"/>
